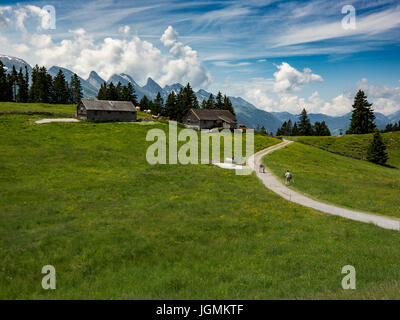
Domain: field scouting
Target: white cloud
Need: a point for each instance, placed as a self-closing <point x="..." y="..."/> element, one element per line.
<point x="385" y="99"/>
<point x="370" y="25"/>
<point x="124" y="29"/>
<point x="185" y="66"/>
<point x="82" y="55"/>
<point x="229" y="64"/>
<point x="289" y="79"/>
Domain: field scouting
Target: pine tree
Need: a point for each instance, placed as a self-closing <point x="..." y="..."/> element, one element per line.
<point x="102" y="94"/>
<point x="304" y="124"/>
<point x="228" y="105"/>
<point x="3" y="83"/>
<point x="158" y="105"/>
<point x="219" y="103"/>
<point x="111" y="92"/>
<point x="295" y="130"/>
<point x="61" y="88"/>
<point x="23" y="87"/>
<point x="321" y="129"/>
<point x="362" y="119"/>
<point x="14" y="83"/>
<point x="210" y="102"/>
<point x="132" y="94"/>
<point x="76" y="89"/>
<point x="204" y="104"/>
<point x="171" y="106"/>
<point x="377" y="150"/>
<point x="144" y="104"/>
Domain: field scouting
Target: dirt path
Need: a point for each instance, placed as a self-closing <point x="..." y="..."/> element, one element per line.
<point x="272" y="183"/>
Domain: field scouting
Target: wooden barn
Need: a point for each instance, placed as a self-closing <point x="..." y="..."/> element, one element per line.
<point x="209" y="119"/>
<point x="104" y="111"/>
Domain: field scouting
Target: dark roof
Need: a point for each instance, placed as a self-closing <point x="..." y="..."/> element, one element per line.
<point x="105" y="105"/>
<point x="210" y="114"/>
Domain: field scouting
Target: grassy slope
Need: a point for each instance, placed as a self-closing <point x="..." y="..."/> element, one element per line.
<point x="356" y="145"/>
<point x="340" y="180"/>
<point x="54" y="110"/>
<point x="82" y="198"/>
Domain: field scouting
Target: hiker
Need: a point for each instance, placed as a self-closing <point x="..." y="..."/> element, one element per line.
<point x="262" y="168"/>
<point x="288" y="176"/>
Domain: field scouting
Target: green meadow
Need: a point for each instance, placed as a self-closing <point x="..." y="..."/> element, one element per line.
<point x="81" y="197"/>
<point x="339" y="180"/>
<point x="356" y="145"/>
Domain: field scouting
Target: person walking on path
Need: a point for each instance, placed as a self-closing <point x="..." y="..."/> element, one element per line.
<point x="288" y="176"/>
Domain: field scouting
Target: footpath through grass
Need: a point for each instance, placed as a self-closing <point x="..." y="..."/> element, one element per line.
<point x="356" y="145"/>
<point x="339" y="180"/>
<point x="81" y="197"/>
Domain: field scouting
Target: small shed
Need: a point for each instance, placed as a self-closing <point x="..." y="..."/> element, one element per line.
<point x="209" y="119"/>
<point x="104" y="111"/>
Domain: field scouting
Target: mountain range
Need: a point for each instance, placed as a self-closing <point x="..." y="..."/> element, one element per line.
<point x="246" y="112"/>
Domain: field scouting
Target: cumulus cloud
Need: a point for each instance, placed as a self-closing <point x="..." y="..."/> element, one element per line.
<point x="185" y="66"/>
<point x="82" y="53"/>
<point x="385" y="99"/>
<point x="289" y="79"/>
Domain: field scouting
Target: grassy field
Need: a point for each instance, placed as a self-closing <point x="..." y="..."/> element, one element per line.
<point x="340" y="180"/>
<point x="356" y="145"/>
<point x="81" y="197"/>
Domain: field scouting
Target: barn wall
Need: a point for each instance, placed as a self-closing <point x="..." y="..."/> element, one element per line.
<point x="103" y="116"/>
<point x="191" y="121"/>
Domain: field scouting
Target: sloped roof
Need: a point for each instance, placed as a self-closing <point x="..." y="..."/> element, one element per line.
<point x="213" y="115"/>
<point x="104" y="105"/>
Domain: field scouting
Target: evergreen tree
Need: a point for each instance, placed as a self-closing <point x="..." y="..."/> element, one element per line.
<point x="13" y="80"/>
<point x="228" y="105"/>
<point x="171" y="106"/>
<point x="321" y="129"/>
<point x="204" y="104"/>
<point x="144" y="104"/>
<point x="186" y="100"/>
<point x="42" y="89"/>
<point x="111" y="92"/>
<point x="304" y="124"/>
<point x="23" y="86"/>
<point x="210" y="102"/>
<point x="158" y="105"/>
<point x="219" y="103"/>
<point x="61" y="88"/>
<point x="76" y="89"/>
<point x="295" y="130"/>
<point x="362" y="119"/>
<point x="377" y="150"/>
<point x="102" y="94"/>
<point x="132" y="94"/>
<point x="4" y="85"/>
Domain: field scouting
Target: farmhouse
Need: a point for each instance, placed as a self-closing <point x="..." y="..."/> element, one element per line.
<point x="102" y="110"/>
<point x="209" y="118"/>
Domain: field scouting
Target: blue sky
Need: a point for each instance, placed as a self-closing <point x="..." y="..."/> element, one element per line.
<point x="279" y="55"/>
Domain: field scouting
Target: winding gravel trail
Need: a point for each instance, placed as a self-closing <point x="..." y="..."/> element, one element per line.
<point x="272" y="183"/>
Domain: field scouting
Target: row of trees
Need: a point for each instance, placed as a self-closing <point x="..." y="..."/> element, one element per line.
<point x="392" y="127"/>
<point x="15" y="87"/>
<point x="176" y="105"/>
<point x="303" y="127"/>
<point x="117" y="93"/>
<point x="219" y="102"/>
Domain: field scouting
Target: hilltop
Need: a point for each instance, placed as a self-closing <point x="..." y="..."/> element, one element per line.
<point x="356" y="145"/>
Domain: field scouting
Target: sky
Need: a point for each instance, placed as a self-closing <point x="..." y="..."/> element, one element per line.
<point x="278" y="55"/>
